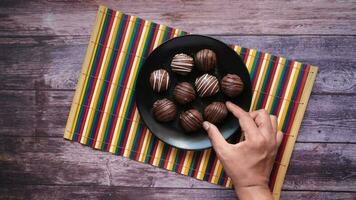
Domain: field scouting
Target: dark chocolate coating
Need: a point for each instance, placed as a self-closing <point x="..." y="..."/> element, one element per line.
<point x="191" y="120"/>
<point x="164" y="110"/>
<point x="232" y="85"/>
<point x="207" y="85"/>
<point x="159" y="80"/>
<point x="215" y="112"/>
<point x="184" y="93"/>
<point x="182" y="64"/>
<point x="205" y="60"/>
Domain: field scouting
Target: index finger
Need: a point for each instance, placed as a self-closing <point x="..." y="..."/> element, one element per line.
<point x="246" y="122"/>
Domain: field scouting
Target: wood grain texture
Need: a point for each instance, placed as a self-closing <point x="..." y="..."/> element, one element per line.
<point x="230" y="17"/>
<point x="55" y="62"/>
<point x="329" y="118"/>
<point x="54" y="161"/>
<point x="113" y="192"/>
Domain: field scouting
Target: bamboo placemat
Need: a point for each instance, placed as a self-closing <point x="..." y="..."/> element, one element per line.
<point x="104" y="114"/>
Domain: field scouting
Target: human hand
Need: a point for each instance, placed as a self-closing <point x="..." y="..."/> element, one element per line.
<point x="248" y="163"/>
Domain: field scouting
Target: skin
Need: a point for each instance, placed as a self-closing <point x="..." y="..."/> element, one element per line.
<point x="248" y="163"/>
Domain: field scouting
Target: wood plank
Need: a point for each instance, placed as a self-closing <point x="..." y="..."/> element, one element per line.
<point x="329" y="118"/>
<point x="247" y="17"/>
<point x="54" y="62"/>
<point x="54" y="161"/>
<point x="112" y="192"/>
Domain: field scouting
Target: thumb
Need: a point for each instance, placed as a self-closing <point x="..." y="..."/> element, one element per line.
<point x="217" y="140"/>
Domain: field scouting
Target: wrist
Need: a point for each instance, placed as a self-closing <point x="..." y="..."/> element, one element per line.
<point x="254" y="192"/>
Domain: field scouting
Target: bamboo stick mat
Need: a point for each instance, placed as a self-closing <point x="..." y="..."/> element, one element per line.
<point x="104" y="116"/>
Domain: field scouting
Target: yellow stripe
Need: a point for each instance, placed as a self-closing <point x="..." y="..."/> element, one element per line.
<point x="172" y="158"/>
<point x="98" y="87"/>
<point x="118" y="124"/>
<point x="237" y="49"/>
<point x="288" y="94"/>
<point x="86" y="67"/>
<point x="158" y="153"/>
<point x="228" y="182"/>
<point x="175" y="33"/>
<point x="217" y="172"/>
<point x="274" y="86"/>
<point x="160" y="34"/>
<point x="187" y="163"/>
<point x="146" y="144"/>
<point x="205" y="163"/>
<point x="202" y="166"/>
<point x="251" y="58"/>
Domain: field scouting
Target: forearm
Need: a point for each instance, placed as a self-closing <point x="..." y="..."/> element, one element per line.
<point x="253" y="192"/>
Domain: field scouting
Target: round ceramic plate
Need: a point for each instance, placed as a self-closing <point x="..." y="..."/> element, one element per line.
<point x="171" y="132"/>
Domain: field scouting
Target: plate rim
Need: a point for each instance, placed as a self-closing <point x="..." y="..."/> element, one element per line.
<point x="139" y="107"/>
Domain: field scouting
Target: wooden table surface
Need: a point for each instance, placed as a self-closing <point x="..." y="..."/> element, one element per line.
<point x="42" y="46"/>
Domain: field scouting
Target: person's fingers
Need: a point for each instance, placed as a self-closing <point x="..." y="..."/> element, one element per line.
<point x="263" y="122"/>
<point x="217" y="140"/>
<point x="246" y="122"/>
<point x="279" y="137"/>
<point x="274" y="123"/>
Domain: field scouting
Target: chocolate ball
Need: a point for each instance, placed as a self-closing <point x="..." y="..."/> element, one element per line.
<point x="205" y="60"/>
<point x="207" y="85"/>
<point x="182" y="64"/>
<point x="191" y="120"/>
<point x="164" y="110"/>
<point x="232" y="85"/>
<point x="184" y="93"/>
<point x="159" y="80"/>
<point x="215" y="112"/>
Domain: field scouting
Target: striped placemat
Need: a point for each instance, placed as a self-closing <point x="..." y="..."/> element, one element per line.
<point x="104" y="115"/>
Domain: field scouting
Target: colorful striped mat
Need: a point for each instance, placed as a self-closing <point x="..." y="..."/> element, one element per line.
<point x="104" y="115"/>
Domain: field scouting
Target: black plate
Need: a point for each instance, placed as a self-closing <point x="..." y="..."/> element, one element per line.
<point x="228" y="62"/>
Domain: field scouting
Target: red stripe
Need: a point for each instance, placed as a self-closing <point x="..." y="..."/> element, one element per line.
<point x="285" y="139"/>
<point x="154" y="38"/>
<point x="152" y="155"/>
<point x="90" y="95"/>
<point x="171" y="35"/>
<point x="259" y="64"/>
<point x="198" y="164"/>
<point x="213" y="169"/>
<point x="247" y="52"/>
<point x="167" y="158"/>
<point x="180" y="166"/>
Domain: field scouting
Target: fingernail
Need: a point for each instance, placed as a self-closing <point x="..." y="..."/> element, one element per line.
<point x="206" y="125"/>
<point x="228" y="102"/>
